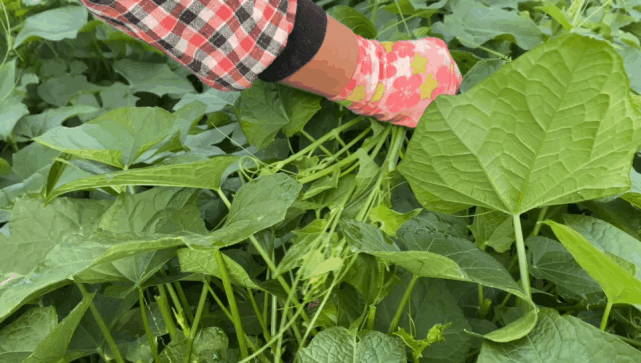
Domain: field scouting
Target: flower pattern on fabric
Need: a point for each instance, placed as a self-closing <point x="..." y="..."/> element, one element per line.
<point x="396" y="81"/>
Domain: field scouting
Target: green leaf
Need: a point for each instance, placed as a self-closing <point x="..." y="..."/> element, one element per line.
<point x="205" y="262"/>
<point x="431" y="304"/>
<point x="22" y="336"/>
<point x="561" y="339"/>
<point x="215" y="99"/>
<point x="54" y="346"/>
<point x="492" y="228"/>
<point x="267" y="107"/>
<point x="618" y="284"/>
<point x="259" y="204"/>
<point x="117" y="138"/>
<point x="363" y="237"/>
<point x="480" y="71"/>
<point x="55" y="24"/>
<point x="354" y="20"/>
<point x="156" y="78"/>
<point x="549" y="260"/>
<point x="556" y="14"/>
<point x="473" y="24"/>
<point x="27" y="246"/>
<point x="390" y="219"/>
<point x="339" y="345"/>
<point x="435" y="335"/>
<point x="554" y="126"/>
<point x="607" y="238"/>
<point x="434" y="255"/>
<point x="209" y="342"/>
<point x="32" y="126"/>
<point x="206" y="174"/>
<point x="29" y="173"/>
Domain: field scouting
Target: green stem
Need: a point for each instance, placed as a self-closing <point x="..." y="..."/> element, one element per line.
<point x="401" y="307"/>
<point x="606" y="315"/>
<point x="194" y="327"/>
<point x="145" y="322"/>
<point x="228" y="315"/>
<point x="374" y="12"/>
<point x="183" y="300"/>
<point x="311" y="138"/>
<point x="537" y="226"/>
<point x="348" y="160"/>
<point x="343" y="150"/>
<point x="165" y="311"/>
<point x="259" y="316"/>
<point x="334" y="133"/>
<point x="238" y="324"/>
<point x="482" y="310"/>
<point x="520" y="248"/>
<point x="371" y="317"/>
<point x="101" y="323"/>
<point x="280" y="279"/>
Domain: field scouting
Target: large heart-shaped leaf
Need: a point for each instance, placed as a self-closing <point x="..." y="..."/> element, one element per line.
<point x="555" y="126"/>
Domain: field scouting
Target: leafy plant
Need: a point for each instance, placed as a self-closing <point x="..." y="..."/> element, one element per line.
<point x="147" y="218"/>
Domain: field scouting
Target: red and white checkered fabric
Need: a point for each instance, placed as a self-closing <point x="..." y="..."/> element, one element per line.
<point x="225" y="44"/>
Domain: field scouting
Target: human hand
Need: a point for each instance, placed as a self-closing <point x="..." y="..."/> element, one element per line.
<point x="396" y="81"/>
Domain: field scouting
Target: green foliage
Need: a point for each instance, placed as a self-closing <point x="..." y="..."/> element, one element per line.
<point x="145" y="217"/>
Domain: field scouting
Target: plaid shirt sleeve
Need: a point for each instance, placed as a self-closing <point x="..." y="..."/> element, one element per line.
<point x="226" y="44"/>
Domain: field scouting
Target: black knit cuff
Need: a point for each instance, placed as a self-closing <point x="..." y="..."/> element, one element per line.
<point x="306" y="38"/>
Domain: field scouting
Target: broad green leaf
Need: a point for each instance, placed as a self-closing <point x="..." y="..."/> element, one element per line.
<point x="354" y="20"/>
<point x="561" y="339"/>
<point x="434" y="255"/>
<point x="205" y="262"/>
<point x="12" y="91"/>
<point x="363" y="237"/>
<point x="155" y="78"/>
<point x="464" y="60"/>
<point x="480" y="71"/>
<point x="549" y="260"/>
<point x="29" y="173"/>
<point x="32" y="126"/>
<point x="607" y="238"/>
<point x="634" y="194"/>
<point x="7" y="78"/>
<point x="54" y="346"/>
<point x="390" y="219"/>
<point x="619" y="212"/>
<point x="339" y="345"/>
<point x="117" y="138"/>
<point x="492" y="228"/>
<point x="259" y="204"/>
<point x="632" y="59"/>
<point x="61" y="90"/>
<point x="204" y="174"/>
<point x="215" y="99"/>
<point x="22" y="336"/>
<point x="554" y="126"/>
<point x="55" y="24"/>
<point x="266" y="108"/>
<point x="157" y="210"/>
<point x="618" y="284"/>
<point x="36" y="229"/>
<point x="473" y="24"/>
<point x="431" y="303"/>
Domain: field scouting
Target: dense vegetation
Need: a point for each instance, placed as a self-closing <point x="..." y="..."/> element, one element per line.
<point x="143" y="209"/>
